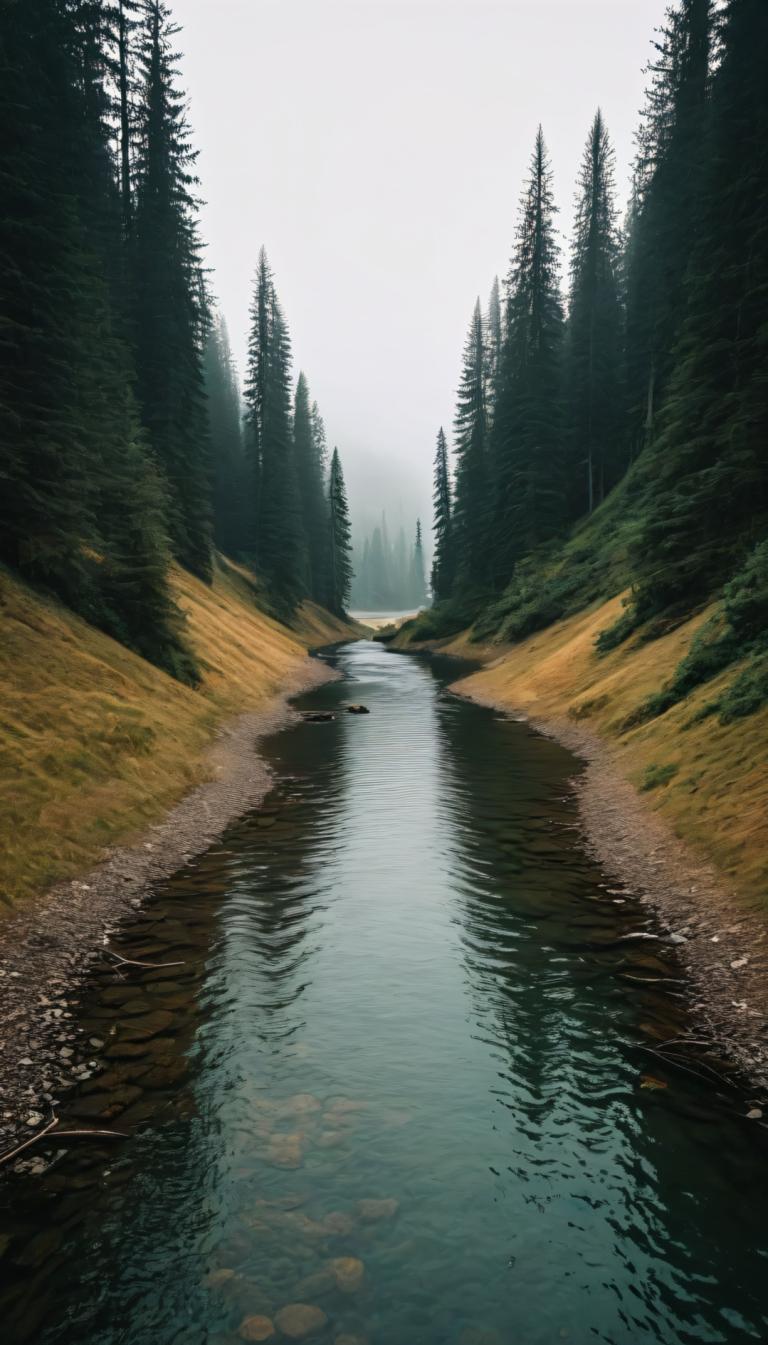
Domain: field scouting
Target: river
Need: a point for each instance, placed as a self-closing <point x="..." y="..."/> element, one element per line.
<point x="404" y="1076"/>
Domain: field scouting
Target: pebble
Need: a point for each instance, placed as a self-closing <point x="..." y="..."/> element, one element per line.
<point x="257" y="1328"/>
<point x="299" y="1320"/>
<point x="348" y="1273"/>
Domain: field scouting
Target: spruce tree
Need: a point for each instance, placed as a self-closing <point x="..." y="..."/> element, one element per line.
<point x="277" y="542"/>
<point x="594" y="335"/>
<point x="339" y="541"/>
<point x="226" y="439"/>
<point x="418" y="584"/>
<point x="528" y="429"/>
<point x="472" y="507"/>
<point x="444" y="564"/>
<point x="706" y="467"/>
<point x="494" y="330"/>
<point x="308" y="449"/>
<point x="169" y="302"/>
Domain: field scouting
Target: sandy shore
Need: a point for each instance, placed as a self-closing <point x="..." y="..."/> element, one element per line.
<point x="722" y="946"/>
<point x="47" y="947"/>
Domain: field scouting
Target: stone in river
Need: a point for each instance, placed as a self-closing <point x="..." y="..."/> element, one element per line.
<point x="300" y="1320"/>
<point x="301" y="1104"/>
<point x="285" y="1151"/>
<point x="143" y="1029"/>
<point x="351" y="1340"/>
<point x="371" y="1211"/>
<point x="315" y="1286"/>
<point x="339" y="1223"/>
<point x="348" y="1273"/>
<point x="257" y="1328"/>
<point x="331" y="1139"/>
<point x="216" y="1278"/>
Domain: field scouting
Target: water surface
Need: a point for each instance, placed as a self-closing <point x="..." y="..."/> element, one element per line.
<point x="399" y="1076"/>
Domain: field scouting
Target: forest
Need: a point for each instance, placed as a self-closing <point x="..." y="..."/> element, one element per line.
<point x="610" y="429"/>
<point x="125" y="445"/>
<point x="389" y="575"/>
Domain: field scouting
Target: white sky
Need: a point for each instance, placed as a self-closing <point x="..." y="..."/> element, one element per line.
<point x="377" y="148"/>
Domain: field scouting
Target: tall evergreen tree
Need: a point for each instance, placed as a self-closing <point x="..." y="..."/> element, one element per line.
<point x="418" y="584"/>
<point x="471" y="512"/>
<point x="277" y="541"/>
<point x="706" y="467"/>
<point x="528" y="430"/>
<point x="594" y="336"/>
<point x="308" y="457"/>
<point x="226" y="438"/>
<point x="444" y="563"/>
<point x="494" y="341"/>
<point x="665" y="218"/>
<point x="339" y="541"/>
<point x="170" y="310"/>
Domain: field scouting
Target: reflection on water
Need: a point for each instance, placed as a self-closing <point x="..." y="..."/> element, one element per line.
<point x="394" y="1093"/>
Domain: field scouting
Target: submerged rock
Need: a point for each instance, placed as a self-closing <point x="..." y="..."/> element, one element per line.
<point x="358" y="710"/>
<point x="348" y="1273"/>
<point x="371" y="1211"/>
<point x="338" y="1223"/>
<point x="299" y="1320"/>
<point x="257" y="1328"/>
<point x="286" y="1151"/>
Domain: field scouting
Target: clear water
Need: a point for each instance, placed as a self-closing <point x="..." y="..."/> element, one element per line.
<point x="404" y="982"/>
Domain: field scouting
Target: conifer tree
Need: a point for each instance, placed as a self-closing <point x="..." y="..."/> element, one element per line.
<point x="594" y="337"/>
<point x="471" y="513"/>
<point x="418" y="584"/>
<point x="226" y="438"/>
<point x="308" y="449"/>
<point x="528" y="431"/>
<point x="169" y="302"/>
<point x="444" y="564"/>
<point x="494" y="332"/>
<point x="339" y="541"/>
<point x="278" y="545"/>
<point x="706" y="467"/>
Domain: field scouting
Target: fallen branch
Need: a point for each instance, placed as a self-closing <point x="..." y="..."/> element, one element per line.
<point x="149" y="966"/>
<point x="13" y="1153"/>
<point x="61" y="1135"/>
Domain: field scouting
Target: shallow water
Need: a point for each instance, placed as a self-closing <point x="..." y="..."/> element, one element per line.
<point x="404" y="982"/>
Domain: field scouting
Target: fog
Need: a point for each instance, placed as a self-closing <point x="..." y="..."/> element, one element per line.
<point x="377" y="148"/>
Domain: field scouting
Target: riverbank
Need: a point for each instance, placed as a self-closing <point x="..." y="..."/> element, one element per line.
<point x="672" y="808"/>
<point x="113" y="777"/>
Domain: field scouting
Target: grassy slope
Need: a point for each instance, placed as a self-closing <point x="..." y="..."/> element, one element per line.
<point x="718" y="797"/>
<point x="95" y="743"/>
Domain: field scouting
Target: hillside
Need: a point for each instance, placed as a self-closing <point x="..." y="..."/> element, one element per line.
<point x="96" y="743"/>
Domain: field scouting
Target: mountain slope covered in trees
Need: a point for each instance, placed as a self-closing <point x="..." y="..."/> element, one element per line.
<point x="123" y="446"/>
<point x="616" y="442"/>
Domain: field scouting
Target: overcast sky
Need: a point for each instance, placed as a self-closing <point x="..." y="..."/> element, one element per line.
<point x="377" y="148"/>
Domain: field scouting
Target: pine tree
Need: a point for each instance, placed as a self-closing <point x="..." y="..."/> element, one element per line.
<point x="308" y="449"/>
<point x="277" y="544"/>
<point x="339" y="541"/>
<point x="706" y="468"/>
<point x="418" y="584"/>
<point x="226" y="438"/>
<point x="493" y="345"/>
<point x="471" y="512"/>
<point x="169" y="301"/>
<point x="594" y="335"/>
<point x="444" y="564"/>
<point x="528" y="431"/>
<point x="665" y="217"/>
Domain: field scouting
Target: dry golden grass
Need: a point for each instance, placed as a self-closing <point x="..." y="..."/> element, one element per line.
<point x="717" y="798"/>
<point x="95" y="743"/>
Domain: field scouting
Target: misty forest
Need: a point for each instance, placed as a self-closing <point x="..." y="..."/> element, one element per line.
<point x="382" y="898"/>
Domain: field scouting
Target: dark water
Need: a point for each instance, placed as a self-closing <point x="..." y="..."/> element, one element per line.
<point x="403" y="983"/>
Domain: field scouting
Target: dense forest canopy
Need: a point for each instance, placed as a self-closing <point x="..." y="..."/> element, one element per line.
<point x="123" y="441"/>
<point x="614" y="436"/>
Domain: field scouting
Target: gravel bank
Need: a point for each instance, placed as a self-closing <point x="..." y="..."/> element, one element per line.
<point x="47" y="946"/>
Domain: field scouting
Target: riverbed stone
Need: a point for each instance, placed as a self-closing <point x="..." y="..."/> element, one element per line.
<point x="257" y="1328"/>
<point x="338" y="1223"/>
<point x="286" y="1151"/>
<point x="348" y="1273"/>
<point x="299" y="1320"/>
<point x="216" y="1279"/>
<point x="331" y="1139"/>
<point x="373" y="1211"/>
<point x="148" y="1026"/>
<point x="317" y="1285"/>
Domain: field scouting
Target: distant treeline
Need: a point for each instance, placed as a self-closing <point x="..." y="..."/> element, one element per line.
<point x="121" y="442"/>
<point x="646" y="386"/>
<point x="389" y="575"/>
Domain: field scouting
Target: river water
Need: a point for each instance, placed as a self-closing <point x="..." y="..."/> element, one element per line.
<point x="402" y="1077"/>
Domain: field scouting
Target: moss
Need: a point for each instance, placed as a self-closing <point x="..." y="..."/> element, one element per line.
<point x="655" y="776"/>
